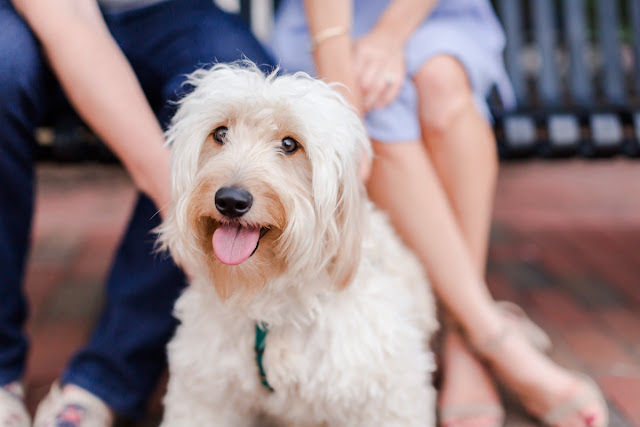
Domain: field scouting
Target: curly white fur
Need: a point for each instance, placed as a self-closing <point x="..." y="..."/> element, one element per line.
<point x="349" y="309"/>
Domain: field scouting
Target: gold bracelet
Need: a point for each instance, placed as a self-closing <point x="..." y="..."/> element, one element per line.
<point x="326" y="34"/>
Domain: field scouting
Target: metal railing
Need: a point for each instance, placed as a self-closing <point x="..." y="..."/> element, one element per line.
<point x="575" y="72"/>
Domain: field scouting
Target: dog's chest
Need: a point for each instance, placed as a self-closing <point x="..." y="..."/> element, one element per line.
<point x="310" y="367"/>
<point x="293" y="356"/>
<point x="334" y="362"/>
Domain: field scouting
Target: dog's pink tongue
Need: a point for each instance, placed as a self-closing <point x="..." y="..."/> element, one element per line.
<point x="233" y="244"/>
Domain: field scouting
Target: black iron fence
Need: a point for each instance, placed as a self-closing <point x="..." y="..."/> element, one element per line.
<point x="575" y="71"/>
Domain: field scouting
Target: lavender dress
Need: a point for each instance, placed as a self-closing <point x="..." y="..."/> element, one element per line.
<point x="465" y="29"/>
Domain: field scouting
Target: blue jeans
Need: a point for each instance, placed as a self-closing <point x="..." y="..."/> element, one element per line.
<point x="126" y="353"/>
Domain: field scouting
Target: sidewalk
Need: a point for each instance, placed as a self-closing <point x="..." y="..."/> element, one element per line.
<point x="565" y="245"/>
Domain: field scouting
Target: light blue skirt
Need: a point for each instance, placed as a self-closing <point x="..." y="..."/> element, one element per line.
<point x="465" y="29"/>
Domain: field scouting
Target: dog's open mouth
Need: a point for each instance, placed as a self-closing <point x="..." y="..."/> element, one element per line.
<point x="234" y="243"/>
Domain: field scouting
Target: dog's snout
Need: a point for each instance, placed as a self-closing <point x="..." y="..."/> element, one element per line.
<point x="233" y="202"/>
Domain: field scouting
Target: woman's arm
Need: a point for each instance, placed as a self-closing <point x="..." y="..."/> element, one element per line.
<point x="330" y="26"/>
<point x="402" y="17"/>
<point x="102" y="86"/>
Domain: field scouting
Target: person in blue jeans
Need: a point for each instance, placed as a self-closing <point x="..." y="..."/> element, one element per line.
<point x="120" y="63"/>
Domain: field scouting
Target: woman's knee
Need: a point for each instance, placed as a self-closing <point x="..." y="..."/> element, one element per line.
<point x="444" y="92"/>
<point x="397" y="156"/>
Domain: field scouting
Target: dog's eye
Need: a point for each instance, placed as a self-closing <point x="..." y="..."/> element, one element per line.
<point x="289" y="145"/>
<point x="220" y="135"/>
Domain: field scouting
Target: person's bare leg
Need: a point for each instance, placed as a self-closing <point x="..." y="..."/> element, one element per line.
<point x="462" y="147"/>
<point x="468" y="396"/>
<point x="403" y="183"/>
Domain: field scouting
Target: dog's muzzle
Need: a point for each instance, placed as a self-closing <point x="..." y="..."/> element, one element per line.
<point x="233" y="242"/>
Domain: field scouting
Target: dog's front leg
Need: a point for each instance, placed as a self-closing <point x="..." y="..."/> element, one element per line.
<point x="183" y="408"/>
<point x="403" y="405"/>
<point x="421" y="415"/>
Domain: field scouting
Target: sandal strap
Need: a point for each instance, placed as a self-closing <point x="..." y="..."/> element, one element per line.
<point x="534" y="333"/>
<point x="493" y="344"/>
<point x="456" y="412"/>
<point x="523" y="326"/>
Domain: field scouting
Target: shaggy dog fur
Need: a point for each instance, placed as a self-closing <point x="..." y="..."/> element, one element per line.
<point x="347" y="306"/>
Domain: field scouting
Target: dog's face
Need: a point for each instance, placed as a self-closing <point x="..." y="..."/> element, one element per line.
<point x="264" y="176"/>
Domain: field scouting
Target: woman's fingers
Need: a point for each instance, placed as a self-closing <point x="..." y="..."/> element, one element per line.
<point x="367" y="67"/>
<point x="394" y="85"/>
<point x="380" y="70"/>
<point x="375" y="93"/>
<point x="381" y="88"/>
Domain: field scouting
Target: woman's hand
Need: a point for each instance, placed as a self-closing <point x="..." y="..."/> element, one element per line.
<point x="380" y="68"/>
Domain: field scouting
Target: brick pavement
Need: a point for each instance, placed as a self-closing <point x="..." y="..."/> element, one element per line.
<point x="565" y="245"/>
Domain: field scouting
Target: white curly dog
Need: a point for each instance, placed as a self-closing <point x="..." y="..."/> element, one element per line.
<point x="304" y="306"/>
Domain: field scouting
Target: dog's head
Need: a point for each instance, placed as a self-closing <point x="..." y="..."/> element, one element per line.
<point x="264" y="179"/>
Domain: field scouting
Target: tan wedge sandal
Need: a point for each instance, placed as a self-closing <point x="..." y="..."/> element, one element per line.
<point x="453" y="414"/>
<point x="586" y="395"/>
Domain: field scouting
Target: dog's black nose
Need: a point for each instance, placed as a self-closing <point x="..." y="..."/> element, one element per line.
<point x="233" y="202"/>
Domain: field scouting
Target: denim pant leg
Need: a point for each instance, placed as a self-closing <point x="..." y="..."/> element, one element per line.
<point x="180" y="36"/>
<point x="23" y="89"/>
<point x="205" y="35"/>
<point x="126" y="354"/>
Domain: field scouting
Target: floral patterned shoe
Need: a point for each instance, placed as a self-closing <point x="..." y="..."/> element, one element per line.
<point x="72" y="407"/>
<point x="13" y="413"/>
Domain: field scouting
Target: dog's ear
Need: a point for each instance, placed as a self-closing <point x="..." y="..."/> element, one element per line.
<point x="339" y="203"/>
<point x="344" y="241"/>
<point x="168" y="238"/>
<point x="349" y="219"/>
<point x="339" y="192"/>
